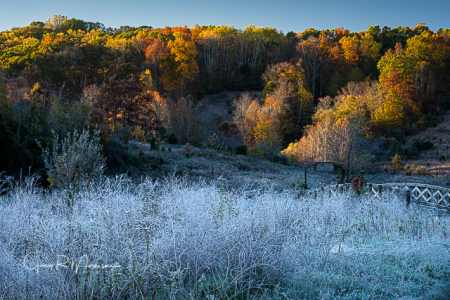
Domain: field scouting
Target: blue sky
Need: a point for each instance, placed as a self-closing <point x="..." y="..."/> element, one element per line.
<point x="285" y="15"/>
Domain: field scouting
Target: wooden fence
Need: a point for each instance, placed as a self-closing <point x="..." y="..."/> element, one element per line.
<point x="423" y="194"/>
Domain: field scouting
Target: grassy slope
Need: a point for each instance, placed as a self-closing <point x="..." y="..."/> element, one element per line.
<point x="428" y="166"/>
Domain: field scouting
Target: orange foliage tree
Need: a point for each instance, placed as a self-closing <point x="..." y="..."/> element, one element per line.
<point x="397" y="73"/>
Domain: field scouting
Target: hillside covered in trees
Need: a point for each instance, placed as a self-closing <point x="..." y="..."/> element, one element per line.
<point x="327" y="94"/>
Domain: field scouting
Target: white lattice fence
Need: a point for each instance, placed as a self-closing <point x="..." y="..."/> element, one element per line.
<point x="425" y="194"/>
<point x="430" y="195"/>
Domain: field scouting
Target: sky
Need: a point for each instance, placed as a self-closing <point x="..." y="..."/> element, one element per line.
<point x="285" y="15"/>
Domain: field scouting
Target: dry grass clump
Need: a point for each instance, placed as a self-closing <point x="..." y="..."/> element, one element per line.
<point x="178" y="239"/>
<point x="422" y="171"/>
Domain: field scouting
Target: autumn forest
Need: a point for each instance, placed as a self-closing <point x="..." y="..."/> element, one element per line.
<point x="312" y="95"/>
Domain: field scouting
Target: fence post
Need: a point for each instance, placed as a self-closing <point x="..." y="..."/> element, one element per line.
<point x="315" y="194"/>
<point x="370" y="188"/>
<point x="306" y="186"/>
<point x="379" y="190"/>
<point x="408" y="198"/>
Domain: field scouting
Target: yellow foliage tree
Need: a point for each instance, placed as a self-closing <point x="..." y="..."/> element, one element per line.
<point x="390" y="114"/>
<point x="267" y="132"/>
<point x="146" y="81"/>
<point x="250" y="121"/>
<point x="180" y="66"/>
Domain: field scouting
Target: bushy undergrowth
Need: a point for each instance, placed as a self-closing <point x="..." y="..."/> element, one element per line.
<point x="176" y="239"/>
<point x="75" y="160"/>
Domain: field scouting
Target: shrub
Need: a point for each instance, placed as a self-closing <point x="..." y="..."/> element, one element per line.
<point x="213" y="143"/>
<point x="422" y="144"/>
<point x="443" y="157"/>
<point x="408" y="173"/>
<point x="392" y="145"/>
<point x="407" y="167"/>
<point x="242" y="149"/>
<point x="422" y="171"/>
<point x="161" y="132"/>
<point x="414" y="165"/>
<point x="396" y="161"/>
<point x="293" y="158"/>
<point x="230" y="111"/>
<point x="74" y="161"/>
<point x="281" y="159"/>
<point x="421" y="124"/>
<point x="153" y="143"/>
<point x="137" y="133"/>
<point x="358" y="183"/>
<point x="412" y="152"/>
<point x="172" y="139"/>
<point x="427" y="164"/>
<point x="228" y="129"/>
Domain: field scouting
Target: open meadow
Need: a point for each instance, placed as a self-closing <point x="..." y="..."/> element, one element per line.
<point x="178" y="239"/>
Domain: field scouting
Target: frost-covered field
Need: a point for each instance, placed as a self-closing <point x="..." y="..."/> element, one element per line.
<point x="181" y="240"/>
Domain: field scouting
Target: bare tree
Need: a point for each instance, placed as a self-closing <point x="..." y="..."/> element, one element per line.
<point x="345" y="145"/>
<point x="325" y="103"/>
<point x="184" y="119"/>
<point x="283" y="92"/>
<point x="273" y="71"/>
<point x="342" y="142"/>
<point x="359" y="88"/>
<point x="241" y="105"/>
<point x="91" y="94"/>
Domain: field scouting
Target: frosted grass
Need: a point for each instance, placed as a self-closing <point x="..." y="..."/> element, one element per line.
<point x="176" y="239"/>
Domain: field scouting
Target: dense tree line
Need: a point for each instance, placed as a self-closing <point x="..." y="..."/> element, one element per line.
<point x="68" y="74"/>
<point x="206" y="59"/>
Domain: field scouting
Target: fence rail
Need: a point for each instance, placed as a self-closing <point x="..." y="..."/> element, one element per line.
<point x="424" y="194"/>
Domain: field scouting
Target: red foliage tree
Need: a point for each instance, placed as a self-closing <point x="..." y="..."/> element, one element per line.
<point x="125" y="102"/>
